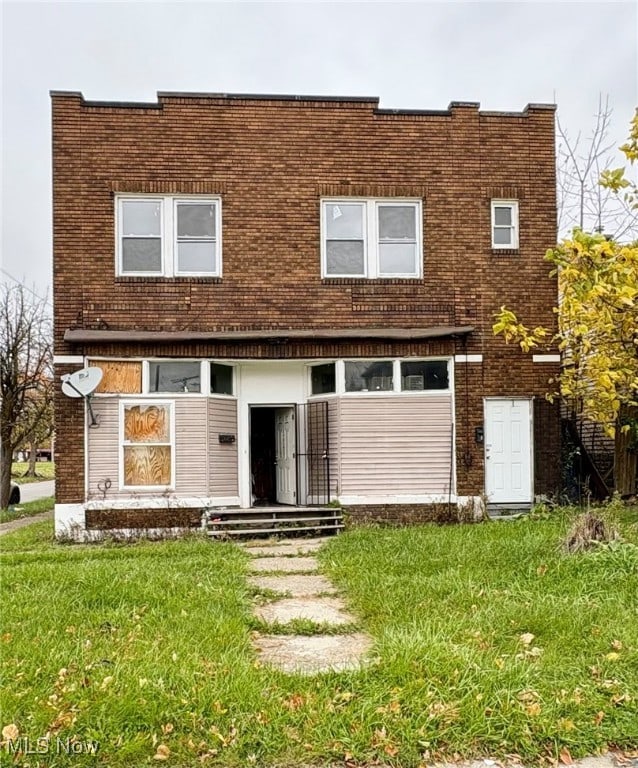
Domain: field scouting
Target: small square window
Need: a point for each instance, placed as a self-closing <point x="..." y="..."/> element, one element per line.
<point x="323" y="379"/>
<point x="221" y="379"/>
<point x="369" y="376"/>
<point x="417" y="376"/>
<point x="175" y="377"/>
<point x="505" y="224"/>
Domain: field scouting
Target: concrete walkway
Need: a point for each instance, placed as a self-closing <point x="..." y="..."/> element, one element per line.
<point x="22" y="522"/>
<point x="288" y="569"/>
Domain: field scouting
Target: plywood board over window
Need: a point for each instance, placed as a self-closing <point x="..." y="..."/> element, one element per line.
<point x="119" y="377"/>
<point x="147" y="444"/>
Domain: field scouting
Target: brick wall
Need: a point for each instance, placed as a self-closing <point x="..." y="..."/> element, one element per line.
<point x="271" y="161"/>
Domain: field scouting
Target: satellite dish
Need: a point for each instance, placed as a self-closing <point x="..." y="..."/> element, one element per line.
<point x="82" y="384"/>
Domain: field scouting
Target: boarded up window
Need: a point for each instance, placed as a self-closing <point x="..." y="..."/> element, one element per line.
<point x="119" y="377"/>
<point x="148" y="449"/>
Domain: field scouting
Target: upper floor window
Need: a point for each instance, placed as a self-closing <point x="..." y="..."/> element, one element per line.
<point x="504" y="224"/>
<point x="168" y="236"/>
<point x="371" y="238"/>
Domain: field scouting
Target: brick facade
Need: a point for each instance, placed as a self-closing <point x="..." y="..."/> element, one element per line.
<point x="271" y="160"/>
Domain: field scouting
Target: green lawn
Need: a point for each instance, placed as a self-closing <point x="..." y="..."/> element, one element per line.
<point x="148" y="645"/>
<point x="27" y="509"/>
<point x="45" y="470"/>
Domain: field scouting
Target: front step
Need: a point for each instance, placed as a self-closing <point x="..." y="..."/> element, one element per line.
<point x="266" y="521"/>
<point x="508" y="511"/>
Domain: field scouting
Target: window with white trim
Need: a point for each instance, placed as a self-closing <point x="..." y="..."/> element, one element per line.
<point x="504" y="224"/>
<point x="371" y="238"/>
<point x="147" y="444"/>
<point x="168" y="236"/>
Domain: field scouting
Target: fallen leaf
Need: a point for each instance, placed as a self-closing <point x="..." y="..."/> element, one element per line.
<point x="10" y="731"/>
<point x="599" y="718"/>
<point x="167" y="728"/>
<point x="616" y="645"/>
<point x="533" y="709"/>
<point x="613" y="656"/>
<point x="526" y="638"/>
<point x="541" y="570"/>
<point x="162" y="753"/>
<point x="565" y="756"/>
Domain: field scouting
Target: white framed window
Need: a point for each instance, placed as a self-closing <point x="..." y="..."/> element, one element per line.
<point x="168" y="236"/>
<point x="175" y="376"/>
<point x="504" y="224"/>
<point x="323" y="379"/>
<point x="147" y="444"/>
<point x="371" y="238"/>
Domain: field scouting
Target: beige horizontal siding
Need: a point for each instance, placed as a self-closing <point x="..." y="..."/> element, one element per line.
<point x="222" y="457"/>
<point x="190" y="455"/>
<point x="191" y="465"/>
<point x="395" y="445"/>
<point x="104" y="449"/>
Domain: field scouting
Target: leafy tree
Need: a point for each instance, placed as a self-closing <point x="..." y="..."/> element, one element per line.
<point x="25" y="374"/>
<point x="597" y="327"/>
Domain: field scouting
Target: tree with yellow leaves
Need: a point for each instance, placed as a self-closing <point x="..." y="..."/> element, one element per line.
<point x="597" y="328"/>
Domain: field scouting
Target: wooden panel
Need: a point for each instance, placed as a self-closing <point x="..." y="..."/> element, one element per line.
<point x="147" y="424"/>
<point x="119" y="376"/>
<point x="147" y="465"/>
<point x="222" y="457"/>
<point x="395" y="445"/>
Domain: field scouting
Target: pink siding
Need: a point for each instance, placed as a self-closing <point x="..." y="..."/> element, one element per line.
<point x="222" y="457"/>
<point x="394" y="445"/>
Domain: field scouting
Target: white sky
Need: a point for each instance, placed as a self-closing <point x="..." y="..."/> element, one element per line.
<point x="418" y="55"/>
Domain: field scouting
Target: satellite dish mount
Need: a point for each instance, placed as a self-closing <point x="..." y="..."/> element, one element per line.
<point x="82" y="384"/>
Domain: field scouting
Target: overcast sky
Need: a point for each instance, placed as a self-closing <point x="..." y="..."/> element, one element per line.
<point x="409" y="54"/>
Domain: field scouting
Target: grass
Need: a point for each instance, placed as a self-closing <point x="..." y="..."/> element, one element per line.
<point x="45" y="470"/>
<point x="147" y="645"/>
<point x="27" y="509"/>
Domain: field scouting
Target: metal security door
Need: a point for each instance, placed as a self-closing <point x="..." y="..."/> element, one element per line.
<point x="508" y="451"/>
<point x="315" y="464"/>
<point x="285" y="459"/>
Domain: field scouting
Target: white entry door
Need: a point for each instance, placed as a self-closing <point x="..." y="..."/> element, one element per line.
<point x="286" y="467"/>
<point x="508" y="451"/>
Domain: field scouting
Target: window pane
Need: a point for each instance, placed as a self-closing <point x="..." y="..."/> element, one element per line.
<point x="141" y="217"/>
<point x="221" y="379"/>
<point x="502" y="236"/>
<point x="147" y="424"/>
<point x="397" y="259"/>
<point x="174" y="377"/>
<point x="503" y="215"/>
<point x="195" y="220"/>
<point x="344" y="257"/>
<point x="196" y="257"/>
<point x="424" y="374"/>
<point x="344" y="221"/>
<point x="147" y="465"/>
<point x="323" y="379"/>
<point x="397" y="222"/>
<point x="368" y="376"/>
<point x="141" y="254"/>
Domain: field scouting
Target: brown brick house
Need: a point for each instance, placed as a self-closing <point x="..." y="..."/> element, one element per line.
<point x="291" y="302"/>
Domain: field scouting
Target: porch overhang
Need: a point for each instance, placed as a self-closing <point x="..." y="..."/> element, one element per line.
<point x="276" y="335"/>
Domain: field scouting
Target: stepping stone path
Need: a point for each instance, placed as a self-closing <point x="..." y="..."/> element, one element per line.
<point x="289" y="568"/>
